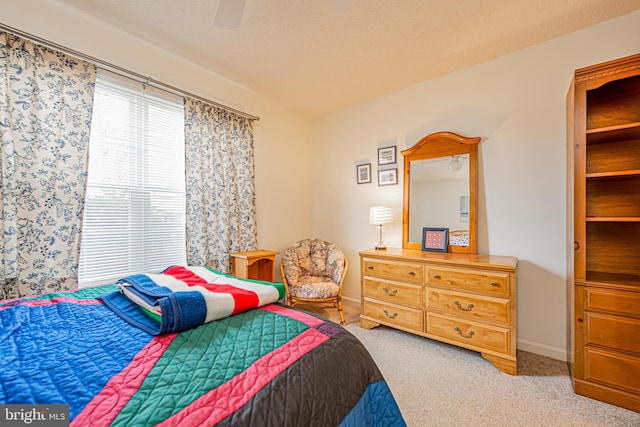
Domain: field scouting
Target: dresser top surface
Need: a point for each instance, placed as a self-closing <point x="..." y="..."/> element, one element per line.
<point x="480" y="260"/>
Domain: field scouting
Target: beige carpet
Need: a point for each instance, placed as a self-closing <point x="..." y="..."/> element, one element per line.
<point x="436" y="384"/>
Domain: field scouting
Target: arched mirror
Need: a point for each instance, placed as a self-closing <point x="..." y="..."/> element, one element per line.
<point x="440" y="190"/>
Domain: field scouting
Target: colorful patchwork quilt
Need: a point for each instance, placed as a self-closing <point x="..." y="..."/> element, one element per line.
<point x="267" y="365"/>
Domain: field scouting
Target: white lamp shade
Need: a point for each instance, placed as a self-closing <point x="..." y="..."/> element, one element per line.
<point x="379" y="215"/>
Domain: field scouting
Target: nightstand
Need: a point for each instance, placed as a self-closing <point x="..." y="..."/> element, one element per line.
<point x="256" y="264"/>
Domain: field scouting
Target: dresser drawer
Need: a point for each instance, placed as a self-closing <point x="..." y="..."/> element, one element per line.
<point x="622" y="302"/>
<point x="489" y="282"/>
<point x="469" y="333"/>
<point x="394" y="292"/>
<point x="622" y="333"/>
<point x="469" y="305"/>
<point x="408" y="272"/>
<point x="618" y="370"/>
<point x="404" y="317"/>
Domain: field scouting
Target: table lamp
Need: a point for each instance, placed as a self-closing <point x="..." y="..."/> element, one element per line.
<point x="379" y="215"/>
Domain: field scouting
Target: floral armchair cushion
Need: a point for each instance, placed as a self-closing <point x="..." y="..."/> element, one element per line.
<point x="313" y="268"/>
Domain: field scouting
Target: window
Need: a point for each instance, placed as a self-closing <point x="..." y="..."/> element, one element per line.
<point x="134" y="216"/>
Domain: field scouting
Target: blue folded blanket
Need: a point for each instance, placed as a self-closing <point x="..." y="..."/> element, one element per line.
<point x="182" y="298"/>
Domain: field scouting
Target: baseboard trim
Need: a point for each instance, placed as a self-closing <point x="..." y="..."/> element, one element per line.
<point x="544" y="350"/>
<point x="351" y="301"/>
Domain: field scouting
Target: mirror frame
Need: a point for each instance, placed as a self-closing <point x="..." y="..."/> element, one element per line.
<point x="435" y="145"/>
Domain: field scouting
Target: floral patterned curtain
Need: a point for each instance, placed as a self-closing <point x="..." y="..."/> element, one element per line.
<point x="46" y="101"/>
<point x="221" y="211"/>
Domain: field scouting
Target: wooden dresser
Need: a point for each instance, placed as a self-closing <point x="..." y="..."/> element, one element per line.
<point x="468" y="300"/>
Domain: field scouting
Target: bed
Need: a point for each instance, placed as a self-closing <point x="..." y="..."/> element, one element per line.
<point x="268" y="365"/>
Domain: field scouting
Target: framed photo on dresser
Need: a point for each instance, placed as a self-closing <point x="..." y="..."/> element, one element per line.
<point x="435" y="239"/>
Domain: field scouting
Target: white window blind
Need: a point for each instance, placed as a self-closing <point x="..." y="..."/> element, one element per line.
<point x="134" y="216"/>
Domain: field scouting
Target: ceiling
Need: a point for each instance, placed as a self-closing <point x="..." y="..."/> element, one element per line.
<point x="319" y="56"/>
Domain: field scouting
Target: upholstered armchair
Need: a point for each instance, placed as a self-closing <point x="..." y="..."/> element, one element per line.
<point x="313" y="271"/>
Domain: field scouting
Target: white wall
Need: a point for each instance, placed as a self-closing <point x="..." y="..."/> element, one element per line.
<point x="282" y="137"/>
<point x="516" y="103"/>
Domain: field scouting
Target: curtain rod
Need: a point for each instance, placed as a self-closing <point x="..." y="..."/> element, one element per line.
<point x="123" y="71"/>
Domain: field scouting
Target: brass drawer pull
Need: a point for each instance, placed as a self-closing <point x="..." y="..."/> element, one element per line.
<point x="436" y="276"/>
<point x="370" y="267"/>
<point x="494" y="284"/>
<point x="412" y="273"/>
<point x="469" y="335"/>
<point x="395" y="314"/>
<point x="460" y="307"/>
<point x="391" y="293"/>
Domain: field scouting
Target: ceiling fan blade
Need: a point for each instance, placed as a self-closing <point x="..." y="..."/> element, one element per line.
<point x="229" y="14"/>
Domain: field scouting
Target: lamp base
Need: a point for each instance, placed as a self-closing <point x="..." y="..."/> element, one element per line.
<point x="380" y="246"/>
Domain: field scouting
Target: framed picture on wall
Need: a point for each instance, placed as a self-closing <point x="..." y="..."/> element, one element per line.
<point x="387" y="155"/>
<point x="435" y="239"/>
<point x="363" y="173"/>
<point x="464" y="208"/>
<point x="388" y="177"/>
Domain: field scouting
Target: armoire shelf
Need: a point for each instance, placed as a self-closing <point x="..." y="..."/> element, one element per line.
<point x="596" y="278"/>
<point x="612" y="219"/>
<point x="616" y="173"/>
<point x="625" y="131"/>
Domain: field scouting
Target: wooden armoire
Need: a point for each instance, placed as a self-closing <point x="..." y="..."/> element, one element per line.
<point x="603" y="227"/>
